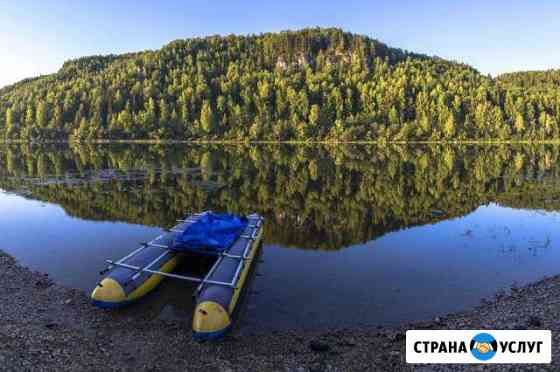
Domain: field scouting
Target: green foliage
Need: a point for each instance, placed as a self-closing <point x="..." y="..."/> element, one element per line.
<point x="531" y="80"/>
<point x="312" y="84"/>
<point x="207" y="118"/>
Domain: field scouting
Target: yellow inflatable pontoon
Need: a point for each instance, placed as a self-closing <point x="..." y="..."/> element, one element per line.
<point x="135" y="275"/>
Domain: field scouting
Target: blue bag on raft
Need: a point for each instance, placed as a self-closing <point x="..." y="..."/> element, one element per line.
<point x="211" y="232"/>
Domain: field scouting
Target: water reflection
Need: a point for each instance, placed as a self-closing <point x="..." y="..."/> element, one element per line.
<point x="452" y="223"/>
<point x="314" y="197"/>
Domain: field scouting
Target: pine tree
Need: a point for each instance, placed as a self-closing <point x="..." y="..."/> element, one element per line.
<point x="449" y="127"/>
<point x="314" y="115"/>
<point x="41" y="115"/>
<point x="163" y="112"/>
<point x="207" y="118"/>
<point x="10" y="123"/>
<point x="519" y="123"/>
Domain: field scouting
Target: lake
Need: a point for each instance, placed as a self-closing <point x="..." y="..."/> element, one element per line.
<point x="354" y="234"/>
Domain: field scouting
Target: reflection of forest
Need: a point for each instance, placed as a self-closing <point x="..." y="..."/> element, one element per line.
<point x="313" y="196"/>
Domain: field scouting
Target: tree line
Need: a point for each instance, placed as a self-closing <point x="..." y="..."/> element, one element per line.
<point x="312" y="84"/>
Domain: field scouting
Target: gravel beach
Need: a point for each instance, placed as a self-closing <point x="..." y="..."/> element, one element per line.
<point x="45" y="326"/>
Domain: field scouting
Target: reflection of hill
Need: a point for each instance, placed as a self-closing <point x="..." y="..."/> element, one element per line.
<point x="533" y="194"/>
<point x="313" y="197"/>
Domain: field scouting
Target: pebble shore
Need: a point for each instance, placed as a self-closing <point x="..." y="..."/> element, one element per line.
<point x="47" y="327"/>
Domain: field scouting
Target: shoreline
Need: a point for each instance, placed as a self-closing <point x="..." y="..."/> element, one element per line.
<point x="291" y="142"/>
<point x="46" y="326"/>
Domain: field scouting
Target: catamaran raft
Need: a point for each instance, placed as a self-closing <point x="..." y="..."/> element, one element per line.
<point x="233" y="240"/>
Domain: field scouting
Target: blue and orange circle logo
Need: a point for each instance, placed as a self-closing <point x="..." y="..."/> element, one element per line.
<point x="483" y="346"/>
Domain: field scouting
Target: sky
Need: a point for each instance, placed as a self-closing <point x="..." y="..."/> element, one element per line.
<point x="494" y="36"/>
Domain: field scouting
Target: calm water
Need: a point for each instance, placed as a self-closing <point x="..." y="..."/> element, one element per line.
<point x="354" y="234"/>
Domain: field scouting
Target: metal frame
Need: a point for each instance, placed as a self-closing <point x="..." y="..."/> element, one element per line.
<point x="206" y="280"/>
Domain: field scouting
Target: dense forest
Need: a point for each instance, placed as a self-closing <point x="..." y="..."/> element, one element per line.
<point x="531" y="80"/>
<point x="325" y="197"/>
<point x="312" y="84"/>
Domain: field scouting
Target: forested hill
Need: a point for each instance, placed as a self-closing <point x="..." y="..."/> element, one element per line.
<point x="313" y="84"/>
<point x="536" y="80"/>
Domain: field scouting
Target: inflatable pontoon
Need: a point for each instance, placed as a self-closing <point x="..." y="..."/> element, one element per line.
<point x="233" y="240"/>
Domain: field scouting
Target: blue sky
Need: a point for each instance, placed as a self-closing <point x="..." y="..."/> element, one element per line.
<point x="497" y="36"/>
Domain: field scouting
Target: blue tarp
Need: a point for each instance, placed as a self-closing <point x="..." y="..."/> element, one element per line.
<point x="211" y="232"/>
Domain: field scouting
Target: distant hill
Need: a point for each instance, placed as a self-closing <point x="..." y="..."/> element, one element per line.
<point x="537" y="80"/>
<point x="312" y="84"/>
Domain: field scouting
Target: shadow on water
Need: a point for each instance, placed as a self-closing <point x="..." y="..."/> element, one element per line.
<point x="173" y="300"/>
